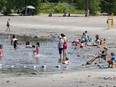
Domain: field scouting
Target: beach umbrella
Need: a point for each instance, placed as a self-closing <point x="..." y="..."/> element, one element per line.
<point x="30" y="7"/>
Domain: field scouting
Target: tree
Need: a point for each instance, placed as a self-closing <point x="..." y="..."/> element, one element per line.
<point x="94" y="6"/>
<point x="108" y="6"/>
<point x="7" y="6"/>
<point x="80" y="4"/>
<point x="2" y="3"/>
<point x="24" y="3"/>
<point x="13" y="6"/>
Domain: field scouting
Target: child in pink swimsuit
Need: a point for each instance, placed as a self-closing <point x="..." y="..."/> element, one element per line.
<point x="1" y="51"/>
<point x="37" y="48"/>
<point x="36" y="51"/>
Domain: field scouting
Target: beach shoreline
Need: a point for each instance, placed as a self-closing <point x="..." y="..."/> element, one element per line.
<point x="87" y="76"/>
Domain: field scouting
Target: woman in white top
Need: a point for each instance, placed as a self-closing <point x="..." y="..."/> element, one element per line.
<point x="60" y="47"/>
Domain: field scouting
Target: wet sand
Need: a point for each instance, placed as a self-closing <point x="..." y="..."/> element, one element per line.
<point x="87" y="76"/>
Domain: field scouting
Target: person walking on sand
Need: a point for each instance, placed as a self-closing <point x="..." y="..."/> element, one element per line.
<point x="8" y="26"/>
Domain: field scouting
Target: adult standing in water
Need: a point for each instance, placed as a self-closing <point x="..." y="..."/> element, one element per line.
<point x="14" y="41"/>
<point x="13" y="38"/>
<point x="8" y="26"/>
<point x="60" y="47"/>
<point x="64" y="46"/>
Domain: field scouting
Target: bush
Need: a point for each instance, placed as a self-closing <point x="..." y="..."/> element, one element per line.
<point x="45" y="8"/>
<point x="62" y="8"/>
<point x="59" y="8"/>
<point x="7" y="11"/>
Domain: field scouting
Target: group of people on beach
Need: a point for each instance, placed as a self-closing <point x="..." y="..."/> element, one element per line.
<point x="36" y="50"/>
<point x="62" y="46"/>
<point x="82" y="42"/>
<point x="14" y="43"/>
<point x="85" y="41"/>
<point x="88" y="41"/>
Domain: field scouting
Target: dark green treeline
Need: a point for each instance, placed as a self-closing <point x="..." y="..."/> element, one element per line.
<point x="59" y="6"/>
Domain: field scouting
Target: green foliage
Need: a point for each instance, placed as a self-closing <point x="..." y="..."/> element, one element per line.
<point x="79" y="4"/>
<point x="108" y="6"/>
<point x="62" y="7"/>
<point x="11" y="6"/>
<point x="8" y="6"/>
<point x="94" y="6"/>
<point x="59" y="6"/>
<point x="1" y="4"/>
<point x="71" y="6"/>
<point x="45" y="7"/>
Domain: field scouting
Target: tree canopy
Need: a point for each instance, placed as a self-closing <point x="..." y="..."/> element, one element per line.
<point x="108" y="6"/>
<point x="103" y="6"/>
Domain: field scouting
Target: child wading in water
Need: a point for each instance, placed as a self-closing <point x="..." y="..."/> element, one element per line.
<point x="66" y="61"/>
<point x="36" y="51"/>
<point x="28" y="45"/>
<point x="1" y="52"/>
<point x="37" y="48"/>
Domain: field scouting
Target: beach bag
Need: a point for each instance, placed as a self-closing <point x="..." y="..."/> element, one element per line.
<point x="65" y="45"/>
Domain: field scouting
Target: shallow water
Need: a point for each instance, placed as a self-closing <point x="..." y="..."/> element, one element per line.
<point x="22" y="58"/>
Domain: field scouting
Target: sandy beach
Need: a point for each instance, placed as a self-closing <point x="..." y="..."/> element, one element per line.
<point x="42" y="25"/>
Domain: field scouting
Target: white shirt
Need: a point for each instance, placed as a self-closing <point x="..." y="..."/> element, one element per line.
<point x="60" y="43"/>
